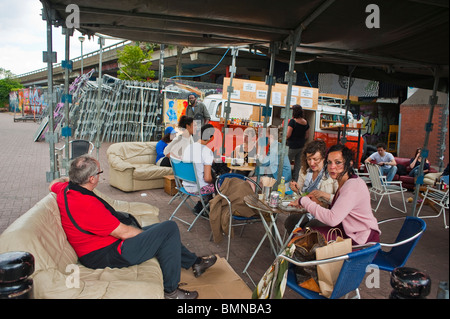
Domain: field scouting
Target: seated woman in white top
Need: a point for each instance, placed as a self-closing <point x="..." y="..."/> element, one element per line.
<point x="313" y="179"/>
<point x="177" y="146"/>
<point x="202" y="157"/>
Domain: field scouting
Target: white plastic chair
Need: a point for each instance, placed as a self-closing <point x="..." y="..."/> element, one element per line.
<point x="381" y="187"/>
<point x="437" y="197"/>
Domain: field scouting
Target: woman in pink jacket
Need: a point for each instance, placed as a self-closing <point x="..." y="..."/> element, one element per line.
<point x="350" y="210"/>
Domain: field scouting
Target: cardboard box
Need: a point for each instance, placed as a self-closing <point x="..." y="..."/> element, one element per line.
<point x="218" y="282"/>
<point x="169" y="185"/>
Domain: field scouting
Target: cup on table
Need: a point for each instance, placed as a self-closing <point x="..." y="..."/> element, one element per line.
<point x="239" y="161"/>
<point x="252" y="161"/>
<point x="228" y="161"/>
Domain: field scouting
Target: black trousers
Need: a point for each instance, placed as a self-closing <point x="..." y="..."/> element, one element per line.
<point x="162" y="241"/>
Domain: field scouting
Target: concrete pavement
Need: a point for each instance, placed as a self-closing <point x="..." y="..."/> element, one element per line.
<point x="23" y="167"/>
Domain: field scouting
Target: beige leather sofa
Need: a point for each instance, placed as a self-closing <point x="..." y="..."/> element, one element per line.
<point x="56" y="275"/>
<point x="132" y="166"/>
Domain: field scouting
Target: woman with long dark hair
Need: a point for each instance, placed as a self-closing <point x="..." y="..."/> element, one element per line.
<point x="296" y="136"/>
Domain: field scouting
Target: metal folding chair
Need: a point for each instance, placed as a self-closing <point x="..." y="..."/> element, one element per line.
<point x="77" y="148"/>
<point x="350" y="277"/>
<point x="382" y="188"/>
<point x="236" y="220"/>
<point x="186" y="172"/>
<point x="436" y="197"/>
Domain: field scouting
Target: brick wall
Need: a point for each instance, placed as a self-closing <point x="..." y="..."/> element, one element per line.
<point x="412" y="131"/>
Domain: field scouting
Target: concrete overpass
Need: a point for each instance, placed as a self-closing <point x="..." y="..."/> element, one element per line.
<point x="90" y="60"/>
<point x="194" y="60"/>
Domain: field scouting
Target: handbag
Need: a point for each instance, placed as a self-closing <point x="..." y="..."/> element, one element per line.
<point x="124" y="218"/>
<point x="329" y="272"/>
<point x="306" y="246"/>
<point x="272" y="284"/>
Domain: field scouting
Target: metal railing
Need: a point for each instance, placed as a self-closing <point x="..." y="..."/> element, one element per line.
<point x="84" y="56"/>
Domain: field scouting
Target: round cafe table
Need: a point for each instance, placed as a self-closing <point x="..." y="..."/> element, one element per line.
<point x="268" y="217"/>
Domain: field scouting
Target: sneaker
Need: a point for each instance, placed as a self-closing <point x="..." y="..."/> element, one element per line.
<point x="181" y="294"/>
<point x="203" y="265"/>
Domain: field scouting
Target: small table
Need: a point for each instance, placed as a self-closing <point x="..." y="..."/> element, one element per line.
<point x="242" y="168"/>
<point x="271" y="230"/>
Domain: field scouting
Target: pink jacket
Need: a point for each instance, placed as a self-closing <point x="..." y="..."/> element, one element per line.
<point x="351" y="207"/>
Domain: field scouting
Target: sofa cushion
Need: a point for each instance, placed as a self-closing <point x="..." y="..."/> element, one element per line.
<point x="146" y="214"/>
<point x="144" y="172"/>
<point x="132" y="152"/>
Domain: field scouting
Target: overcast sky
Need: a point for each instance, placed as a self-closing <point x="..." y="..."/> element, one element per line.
<point x="23" y="37"/>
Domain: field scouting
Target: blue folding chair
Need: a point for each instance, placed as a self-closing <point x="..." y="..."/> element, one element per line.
<point x="407" y="238"/>
<point x="350" y="277"/>
<point x="236" y="220"/>
<point x="184" y="171"/>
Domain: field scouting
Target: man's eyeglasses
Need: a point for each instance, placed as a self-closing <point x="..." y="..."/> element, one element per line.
<point x="98" y="173"/>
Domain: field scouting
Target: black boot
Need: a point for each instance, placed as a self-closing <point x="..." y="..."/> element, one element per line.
<point x="198" y="208"/>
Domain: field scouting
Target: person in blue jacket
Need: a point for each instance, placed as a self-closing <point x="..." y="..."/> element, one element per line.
<point x="169" y="135"/>
<point x="268" y="163"/>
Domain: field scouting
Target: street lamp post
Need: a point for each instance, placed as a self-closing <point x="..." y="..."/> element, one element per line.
<point x="81" y="38"/>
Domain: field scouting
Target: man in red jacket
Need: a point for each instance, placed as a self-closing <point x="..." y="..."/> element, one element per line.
<point x="101" y="240"/>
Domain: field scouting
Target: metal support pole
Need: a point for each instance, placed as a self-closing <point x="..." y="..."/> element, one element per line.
<point x="67" y="65"/>
<point x="291" y="78"/>
<point x="101" y="41"/>
<point x="424" y="151"/>
<point x="443" y="141"/>
<point x="270" y="81"/>
<point x="234" y="53"/>
<point x="161" y="87"/>
<point x="50" y="57"/>
<point x="295" y="42"/>
<point x="347" y="106"/>
<point x="81" y="38"/>
<point x="142" y="114"/>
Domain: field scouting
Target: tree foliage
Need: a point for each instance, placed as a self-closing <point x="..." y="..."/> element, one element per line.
<point x="134" y="63"/>
<point x="7" y="84"/>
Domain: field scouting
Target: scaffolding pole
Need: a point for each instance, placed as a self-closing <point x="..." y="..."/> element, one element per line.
<point x="49" y="57"/>
<point x="424" y="152"/>
<point x="101" y="42"/>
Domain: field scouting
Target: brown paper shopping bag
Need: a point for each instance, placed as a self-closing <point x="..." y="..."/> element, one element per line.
<point x="328" y="273"/>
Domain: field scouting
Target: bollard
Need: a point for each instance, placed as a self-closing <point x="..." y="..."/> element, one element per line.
<point x="409" y="283"/>
<point x="442" y="290"/>
<point x="15" y="268"/>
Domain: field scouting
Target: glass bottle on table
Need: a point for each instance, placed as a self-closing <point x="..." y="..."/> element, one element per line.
<point x="282" y="187"/>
